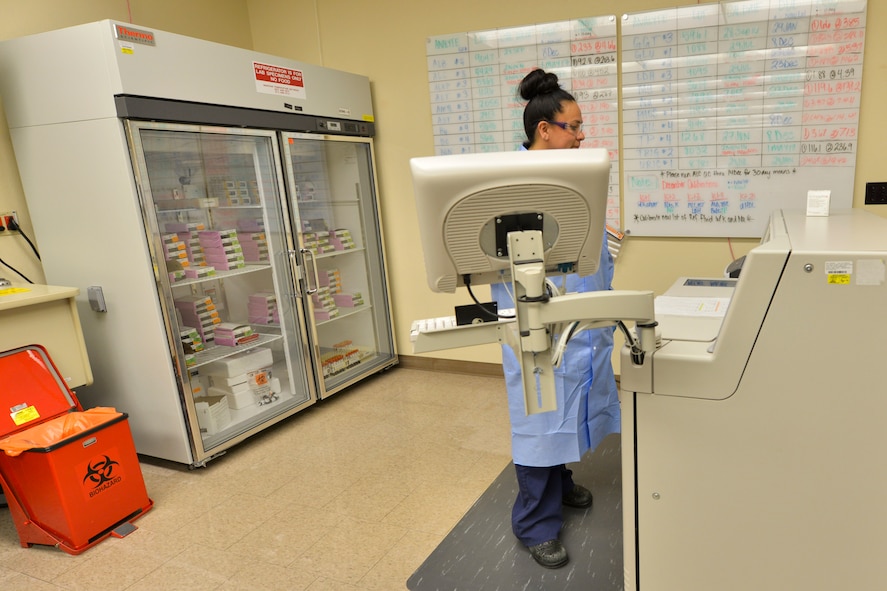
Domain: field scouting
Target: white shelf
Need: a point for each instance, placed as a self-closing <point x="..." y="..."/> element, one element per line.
<point x="221" y="274"/>
<point x="331" y="254"/>
<point x="216" y="352"/>
<point x="324" y="202"/>
<point x="350" y="312"/>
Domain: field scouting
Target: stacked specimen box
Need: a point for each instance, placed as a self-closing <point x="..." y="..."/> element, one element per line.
<point x="175" y="274"/>
<point x="188" y="234"/>
<point x="234" y="192"/>
<point x="200" y="313"/>
<point x="232" y="334"/>
<point x="192" y="343"/>
<point x="222" y="249"/>
<point x="348" y="300"/>
<point x="329" y="282"/>
<point x="330" y="297"/>
<point x="317" y="237"/>
<point x="254" y="245"/>
<point x="324" y="304"/>
<point x="331" y="278"/>
<point x="174" y="249"/>
<point x="319" y="241"/>
<point x="262" y="308"/>
<point x="341" y="239"/>
<point x="205" y="272"/>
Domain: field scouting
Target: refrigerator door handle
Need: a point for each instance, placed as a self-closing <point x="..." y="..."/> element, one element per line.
<point x="308" y="253"/>
<point x="296" y="271"/>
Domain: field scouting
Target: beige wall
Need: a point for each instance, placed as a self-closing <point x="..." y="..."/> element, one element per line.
<point x="223" y="21"/>
<point x="387" y="43"/>
<point x="385" y="40"/>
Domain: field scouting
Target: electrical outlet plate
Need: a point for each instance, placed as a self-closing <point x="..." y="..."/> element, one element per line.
<point x="4" y="223"/>
<point x="876" y="193"/>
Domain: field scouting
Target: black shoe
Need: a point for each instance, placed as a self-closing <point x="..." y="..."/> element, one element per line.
<point x="550" y="554"/>
<point x="579" y="497"/>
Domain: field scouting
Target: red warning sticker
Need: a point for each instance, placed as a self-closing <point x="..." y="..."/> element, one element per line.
<point x="279" y="80"/>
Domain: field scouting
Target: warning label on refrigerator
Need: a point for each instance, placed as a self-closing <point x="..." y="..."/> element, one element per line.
<point x="279" y="80"/>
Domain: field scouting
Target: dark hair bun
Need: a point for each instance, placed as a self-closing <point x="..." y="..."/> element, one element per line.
<point x="538" y="82"/>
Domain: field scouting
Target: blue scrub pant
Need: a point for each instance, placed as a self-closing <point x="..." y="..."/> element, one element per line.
<point x="537" y="515"/>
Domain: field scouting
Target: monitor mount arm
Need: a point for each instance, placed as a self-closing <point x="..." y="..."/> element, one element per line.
<point x="536" y="311"/>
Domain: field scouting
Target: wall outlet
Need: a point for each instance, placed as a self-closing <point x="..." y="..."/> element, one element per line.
<point x="876" y="193"/>
<point x="6" y="219"/>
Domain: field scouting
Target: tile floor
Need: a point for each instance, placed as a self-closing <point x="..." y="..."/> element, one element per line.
<point x="350" y="495"/>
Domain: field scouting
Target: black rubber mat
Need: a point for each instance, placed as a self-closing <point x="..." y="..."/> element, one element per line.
<point x="482" y="554"/>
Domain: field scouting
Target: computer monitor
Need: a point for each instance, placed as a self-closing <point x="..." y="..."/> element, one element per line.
<point x="468" y="203"/>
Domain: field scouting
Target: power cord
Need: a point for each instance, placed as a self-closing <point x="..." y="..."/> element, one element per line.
<point x="14" y="226"/>
<point x="466" y="279"/>
<point x="637" y="354"/>
<point x="7" y="265"/>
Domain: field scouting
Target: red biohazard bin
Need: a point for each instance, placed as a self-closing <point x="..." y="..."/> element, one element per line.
<point x="71" y="477"/>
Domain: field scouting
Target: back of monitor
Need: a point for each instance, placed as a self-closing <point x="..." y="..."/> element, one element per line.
<point x="463" y="201"/>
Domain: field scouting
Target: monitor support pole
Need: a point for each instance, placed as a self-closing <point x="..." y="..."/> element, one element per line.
<point x="536" y="311"/>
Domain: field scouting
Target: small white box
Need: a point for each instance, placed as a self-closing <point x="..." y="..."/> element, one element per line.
<point x="213" y="413"/>
<point x="228" y="385"/>
<point x="818" y="203"/>
<point x="236" y="400"/>
<point x="241" y="363"/>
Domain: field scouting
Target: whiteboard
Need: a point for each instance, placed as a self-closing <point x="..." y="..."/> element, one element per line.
<point x="732" y="110"/>
<point x="728" y="110"/>
<point x="473" y="81"/>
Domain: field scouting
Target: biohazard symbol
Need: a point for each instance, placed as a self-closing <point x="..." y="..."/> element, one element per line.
<point x="100" y="471"/>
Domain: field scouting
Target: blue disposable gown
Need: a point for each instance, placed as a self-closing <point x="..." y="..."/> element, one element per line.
<point x="580" y="422"/>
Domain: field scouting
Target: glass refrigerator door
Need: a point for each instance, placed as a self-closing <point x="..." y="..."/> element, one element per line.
<point x="219" y="240"/>
<point x="332" y="190"/>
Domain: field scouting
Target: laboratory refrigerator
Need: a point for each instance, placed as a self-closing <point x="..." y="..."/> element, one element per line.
<point x="218" y="210"/>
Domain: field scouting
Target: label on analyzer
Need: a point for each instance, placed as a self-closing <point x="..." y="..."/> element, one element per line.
<point x="839" y="272"/>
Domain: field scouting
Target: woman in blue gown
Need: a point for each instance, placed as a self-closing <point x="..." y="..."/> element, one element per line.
<point x="587" y="397"/>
